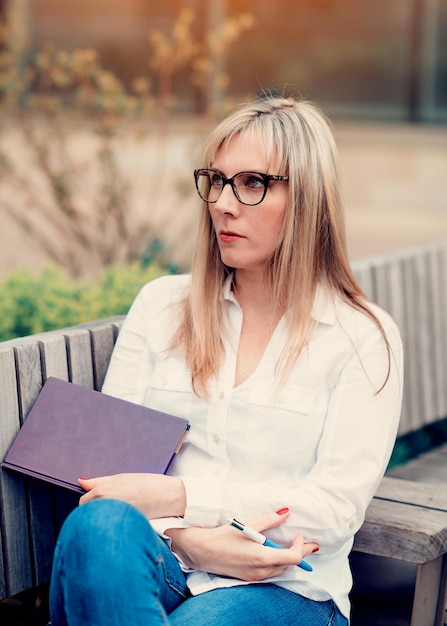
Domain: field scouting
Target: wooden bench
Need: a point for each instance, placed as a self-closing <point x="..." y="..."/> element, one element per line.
<point x="406" y="520"/>
<point x="31" y="512"/>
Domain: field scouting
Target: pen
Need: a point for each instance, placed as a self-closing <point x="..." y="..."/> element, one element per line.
<point x="265" y="541"/>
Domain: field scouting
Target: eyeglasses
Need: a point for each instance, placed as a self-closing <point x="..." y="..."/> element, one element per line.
<point x="248" y="187"/>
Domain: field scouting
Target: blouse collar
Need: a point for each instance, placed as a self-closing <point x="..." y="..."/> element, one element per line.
<point x="323" y="309"/>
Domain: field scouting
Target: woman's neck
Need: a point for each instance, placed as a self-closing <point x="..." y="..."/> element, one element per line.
<point x="259" y="321"/>
<point x="252" y="293"/>
<point x="249" y="286"/>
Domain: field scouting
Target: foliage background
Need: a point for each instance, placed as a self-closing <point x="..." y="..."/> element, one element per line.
<point x="34" y="303"/>
<point x="71" y="133"/>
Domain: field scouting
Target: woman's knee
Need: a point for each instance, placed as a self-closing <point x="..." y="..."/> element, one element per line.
<point x="96" y="517"/>
<point x="109" y="526"/>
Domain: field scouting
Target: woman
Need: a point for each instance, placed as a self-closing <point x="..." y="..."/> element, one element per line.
<point x="292" y="384"/>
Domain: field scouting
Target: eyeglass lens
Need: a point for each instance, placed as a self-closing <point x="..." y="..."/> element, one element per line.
<point x="248" y="187"/>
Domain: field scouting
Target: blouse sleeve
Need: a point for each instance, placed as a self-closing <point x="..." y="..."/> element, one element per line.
<point x="130" y="365"/>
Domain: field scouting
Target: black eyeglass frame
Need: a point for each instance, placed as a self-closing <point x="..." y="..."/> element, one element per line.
<point x="230" y="181"/>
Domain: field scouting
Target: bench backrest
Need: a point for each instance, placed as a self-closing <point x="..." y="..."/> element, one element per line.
<point x="31" y="512"/>
<point x="410" y="284"/>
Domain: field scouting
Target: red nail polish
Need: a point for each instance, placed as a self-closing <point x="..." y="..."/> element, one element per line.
<point x="315" y="550"/>
<point x="282" y="511"/>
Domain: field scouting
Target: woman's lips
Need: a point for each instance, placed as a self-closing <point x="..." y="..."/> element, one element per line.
<point x="228" y="236"/>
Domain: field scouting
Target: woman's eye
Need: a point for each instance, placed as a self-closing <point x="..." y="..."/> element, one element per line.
<point x="253" y="182"/>
<point x="215" y="180"/>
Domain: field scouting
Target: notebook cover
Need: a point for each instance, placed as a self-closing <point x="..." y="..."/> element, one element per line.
<point x="74" y="432"/>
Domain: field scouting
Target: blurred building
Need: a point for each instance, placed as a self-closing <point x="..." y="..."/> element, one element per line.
<point x="385" y="59"/>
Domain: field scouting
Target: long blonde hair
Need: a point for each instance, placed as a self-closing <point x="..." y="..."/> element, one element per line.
<point x="311" y="247"/>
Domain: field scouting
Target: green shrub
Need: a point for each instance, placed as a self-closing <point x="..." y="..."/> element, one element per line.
<point x="32" y="303"/>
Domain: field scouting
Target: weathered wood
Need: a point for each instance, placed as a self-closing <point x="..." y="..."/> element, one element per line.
<point x="102" y="341"/>
<point x="29" y="376"/>
<point x="410" y="492"/>
<point x="442" y="262"/>
<point x="8" y="428"/>
<point x="80" y="362"/>
<point x="437" y="276"/>
<point x="32" y="512"/>
<point x="402" y="531"/>
<point x="430" y="594"/>
<point x="55" y="362"/>
<point x="53" y="354"/>
<point x="424" y="337"/>
<point x="412" y="411"/>
<point x="406" y="521"/>
<point x="39" y="495"/>
<point x="17" y="573"/>
<point x="412" y="285"/>
<point x="389" y="295"/>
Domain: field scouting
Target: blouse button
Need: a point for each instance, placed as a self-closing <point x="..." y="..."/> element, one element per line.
<point x="351" y="524"/>
<point x="216" y="471"/>
<point x="216" y="438"/>
<point x="221" y="395"/>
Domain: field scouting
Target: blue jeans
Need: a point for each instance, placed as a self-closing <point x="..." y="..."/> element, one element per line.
<point x="110" y="568"/>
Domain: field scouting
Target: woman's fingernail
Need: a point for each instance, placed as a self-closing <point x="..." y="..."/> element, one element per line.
<point x="315" y="550"/>
<point x="282" y="511"/>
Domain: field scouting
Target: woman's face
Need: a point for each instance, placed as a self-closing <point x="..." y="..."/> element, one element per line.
<point x="247" y="235"/>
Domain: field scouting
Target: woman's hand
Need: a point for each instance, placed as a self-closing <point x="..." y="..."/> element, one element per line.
<point x="227" y="552"/>
<point x="155" y="495"/>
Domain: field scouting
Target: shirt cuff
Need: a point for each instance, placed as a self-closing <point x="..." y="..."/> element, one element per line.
<point x="163" y="523"/>
<point x="203" y="502"/>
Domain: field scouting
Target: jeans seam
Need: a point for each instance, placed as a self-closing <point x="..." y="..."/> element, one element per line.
<point x="167" y="579"/>
<point x="332" y="617"/>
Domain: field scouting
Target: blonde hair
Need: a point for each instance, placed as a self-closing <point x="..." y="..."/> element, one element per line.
<point x="311" y="247"/>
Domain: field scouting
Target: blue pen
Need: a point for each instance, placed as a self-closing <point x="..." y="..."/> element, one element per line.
<point x="265" y="541"/>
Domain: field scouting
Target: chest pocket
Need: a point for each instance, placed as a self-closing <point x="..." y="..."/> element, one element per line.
<point x="286" y="425"/>
<point x="170" y="391"/>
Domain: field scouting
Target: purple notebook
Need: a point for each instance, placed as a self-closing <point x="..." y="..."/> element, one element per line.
<point x="74" y="432"/>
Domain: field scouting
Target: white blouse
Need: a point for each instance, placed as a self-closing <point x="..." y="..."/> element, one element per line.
<point x="319" y="446"/>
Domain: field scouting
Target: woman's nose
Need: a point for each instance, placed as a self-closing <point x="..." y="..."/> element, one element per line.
<point x="227" y="202"/>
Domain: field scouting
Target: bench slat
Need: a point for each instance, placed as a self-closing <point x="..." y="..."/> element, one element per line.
<point x="412" y="385"/>
<point x="80" y="363"/>
<point x="433" y="326"/>
<point x="17" y="572"/>
<point x="403" y="531"/>
<point x="53" y="354"/>
<point x="29" y="376"/>
<point x="430" y="594"/>
<point x="102" y="341"/>
<point x="438" y="281"/>
<point x="40" y="500"/>
<point x="425" y="341"/>
<point x="442" y="256"/>
<point x="410" y="492"/>
<point x="390" y="295"/>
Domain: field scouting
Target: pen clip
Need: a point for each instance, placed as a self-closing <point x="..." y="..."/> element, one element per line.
<point x="233" y="522"/>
